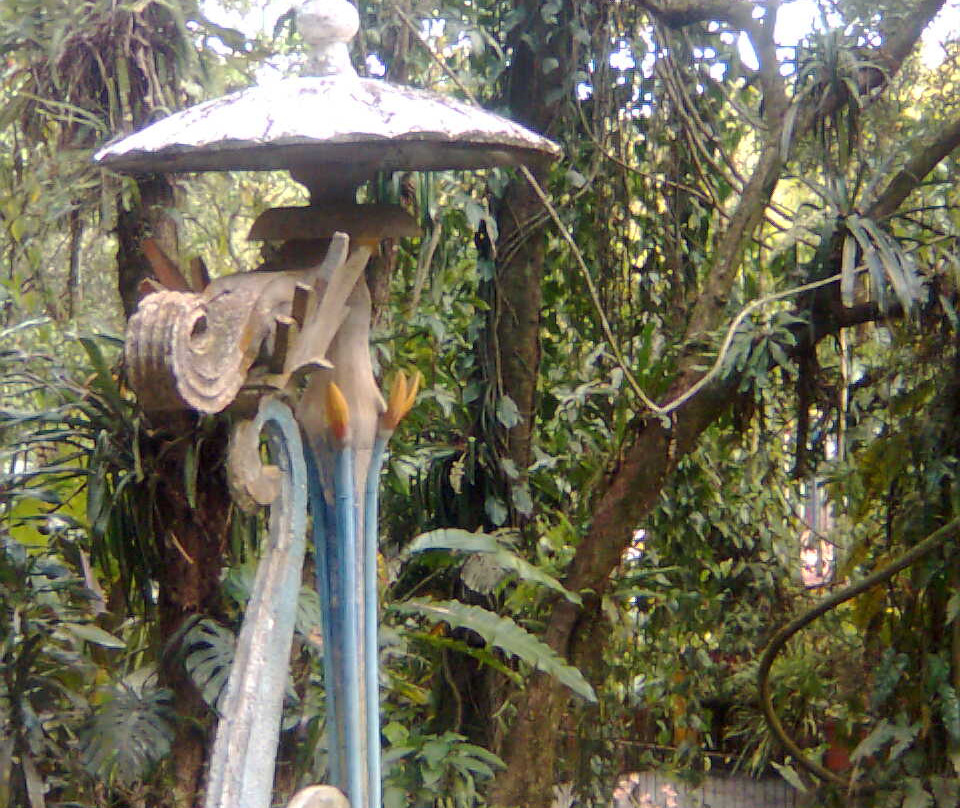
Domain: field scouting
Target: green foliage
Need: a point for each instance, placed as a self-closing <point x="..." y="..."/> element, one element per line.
<point x="829" y="64"/>
<point x="887" y="262"/>
<point x="659" y="134"/>
<point x="128" y="734"/>
<point x="492" y="560"/>
<point x="77" y="445"/>
<point x="757" y="350"/>
<point x="45" y="684"/>
<point x="74" y="708"/>
<point x="434" y="771"/>
<point x="707" y="579"/>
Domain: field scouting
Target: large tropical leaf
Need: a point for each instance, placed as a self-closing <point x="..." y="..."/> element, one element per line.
<point x="463" y="541"/>
<point x="503" y="633"/>
<point x="483" y="655"/>
<point x="209" y="651"/>
<point x="128" y="734"/>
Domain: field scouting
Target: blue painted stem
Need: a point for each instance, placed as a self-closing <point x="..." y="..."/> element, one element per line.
<point x="346" y="570"/>
<point x="371" y="617"/>
<point x="325" y="535"/>
<point x="347" y="608"/>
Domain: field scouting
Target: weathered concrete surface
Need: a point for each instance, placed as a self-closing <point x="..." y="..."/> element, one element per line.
<point x="328" y="121"/>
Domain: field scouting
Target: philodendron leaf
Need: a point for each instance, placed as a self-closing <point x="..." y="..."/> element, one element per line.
<point x="503" y="633"/>
<point x="128" y="734"/>
<point x="209" y="655"/>
<point x="463" y="541"/>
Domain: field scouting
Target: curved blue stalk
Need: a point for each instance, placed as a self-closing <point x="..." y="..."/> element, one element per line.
<point x="370" y="618"/>
<point x="244" y="752"/>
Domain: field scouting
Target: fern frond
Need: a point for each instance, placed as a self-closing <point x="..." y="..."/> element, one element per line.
<point x="503" y="633"/>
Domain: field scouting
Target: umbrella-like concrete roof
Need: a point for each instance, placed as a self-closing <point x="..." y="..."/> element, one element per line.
<point x="334" y="119"/>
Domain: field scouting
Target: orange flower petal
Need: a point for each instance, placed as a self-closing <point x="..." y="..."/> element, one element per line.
<point x="338" y="412"/>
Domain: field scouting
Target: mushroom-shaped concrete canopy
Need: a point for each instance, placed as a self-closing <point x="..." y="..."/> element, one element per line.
<point x="316" y="125"/>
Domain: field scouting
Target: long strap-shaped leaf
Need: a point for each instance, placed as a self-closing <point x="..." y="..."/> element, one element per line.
<point x="244" y="753"/>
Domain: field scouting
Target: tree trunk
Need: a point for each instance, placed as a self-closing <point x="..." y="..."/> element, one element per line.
<point x="515" y="317"/>
<point x="573" y="631"/>
<point x="147" y="217"/>
<point x="193" y="536"/>
<point x="193" y="545"/>
<point x="513" y="332"/>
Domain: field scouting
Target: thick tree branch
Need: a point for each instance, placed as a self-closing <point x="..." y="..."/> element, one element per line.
<point x="925" y="158"/>
<point x="680" y="13"/>
<point x="756" y="193"/>
<point x="903" y="35"/>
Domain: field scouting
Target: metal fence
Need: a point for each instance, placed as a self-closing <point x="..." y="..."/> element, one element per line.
<point x="654" y="790"/>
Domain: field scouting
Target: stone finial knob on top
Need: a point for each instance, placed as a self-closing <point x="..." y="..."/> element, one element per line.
<point x="327" y="26"/>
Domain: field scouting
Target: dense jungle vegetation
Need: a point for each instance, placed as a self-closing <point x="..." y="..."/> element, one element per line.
<point x="715" y="343"/>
